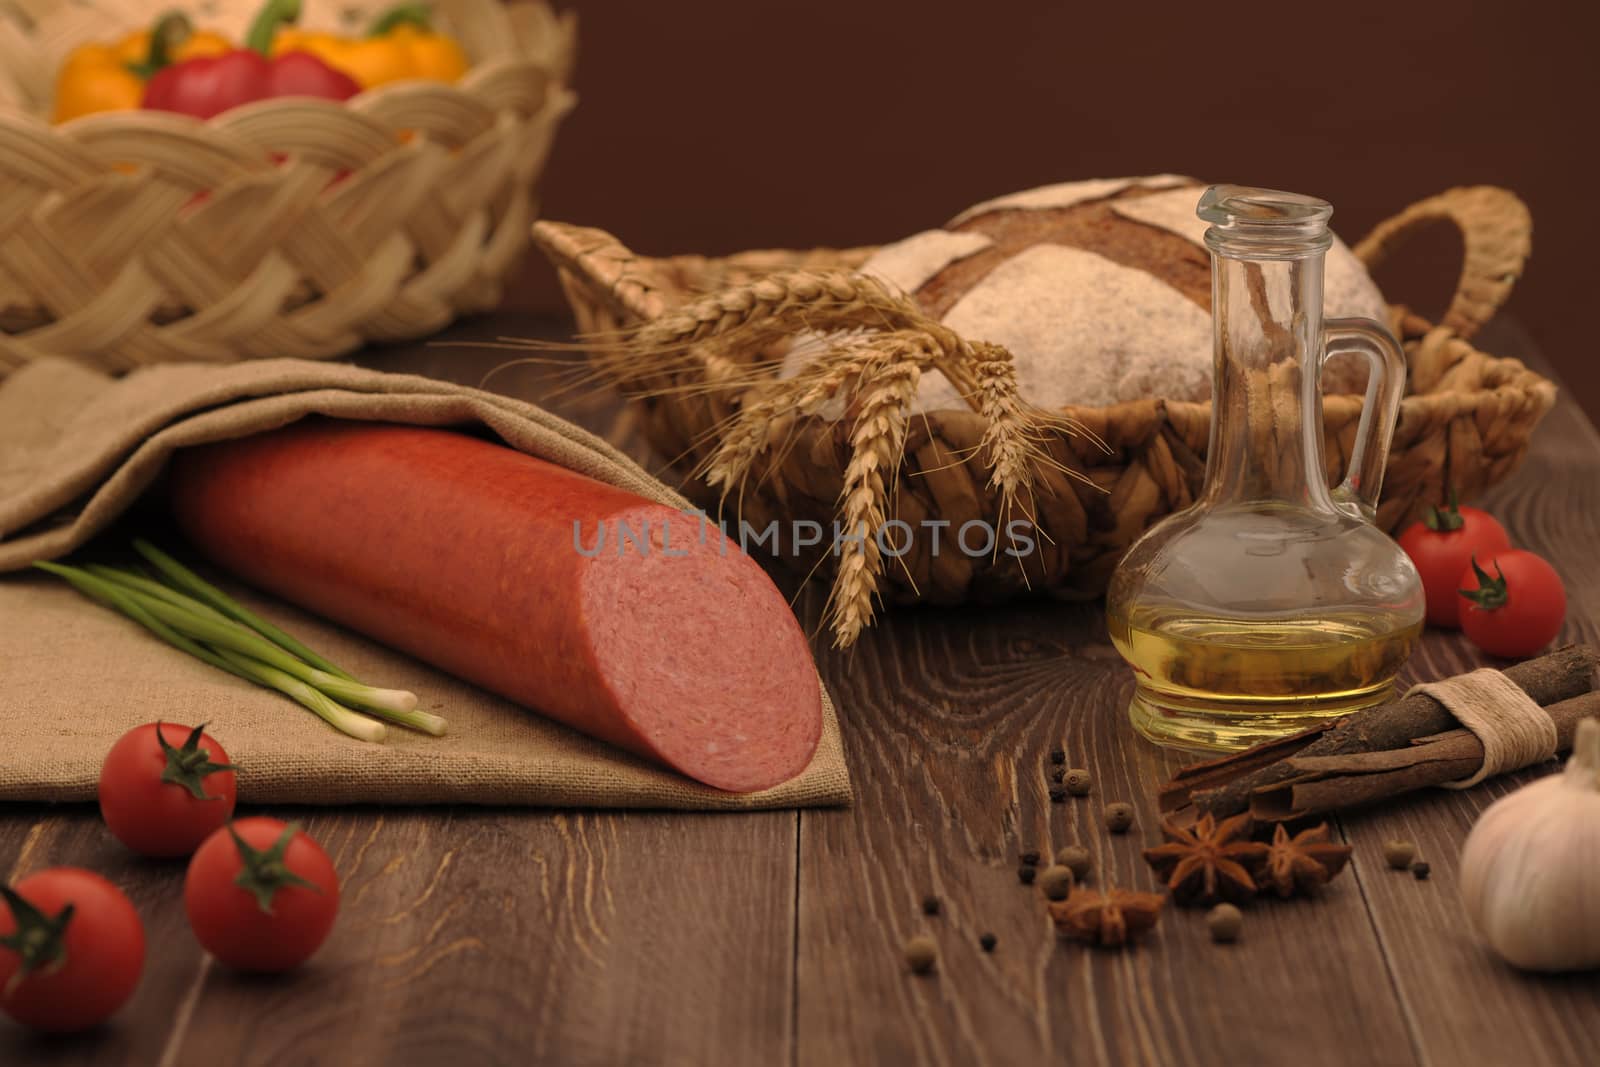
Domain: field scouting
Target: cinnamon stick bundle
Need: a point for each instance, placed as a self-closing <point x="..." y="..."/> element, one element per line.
<point x="1302" y="773"/>
<point x="1327" y="783"/>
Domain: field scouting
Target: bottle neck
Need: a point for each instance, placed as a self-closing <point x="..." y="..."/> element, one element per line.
<point x="1266" y="441"/>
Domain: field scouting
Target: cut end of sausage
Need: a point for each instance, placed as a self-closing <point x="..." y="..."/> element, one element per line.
<point x="703" y="653"/>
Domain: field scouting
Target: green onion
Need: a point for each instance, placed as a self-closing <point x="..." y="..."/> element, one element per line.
<point x="138" y="583"/>
<point x="208" y="626"/>
<point x="129" y="603"/>
<point x="190" y="582"/>
<point x="397" y="705"/>
<point x="335" y="714"/>
<point x="200" y="622"/>
<point x="111" y="596"/>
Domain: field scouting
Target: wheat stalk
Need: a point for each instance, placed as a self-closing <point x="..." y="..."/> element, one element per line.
<point x="876" y="443"/>
<point x="779" y="304"/>
<point x="749" y="433"/>
<point x="1011" y="449"/>
<point x="877" y="344"/>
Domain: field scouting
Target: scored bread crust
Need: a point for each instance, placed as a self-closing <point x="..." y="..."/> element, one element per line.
<point x="1119" y="312"/>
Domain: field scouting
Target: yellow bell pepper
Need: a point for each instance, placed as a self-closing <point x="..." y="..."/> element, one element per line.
<point x="400" y="45"/>
<point x="111" y="77"/>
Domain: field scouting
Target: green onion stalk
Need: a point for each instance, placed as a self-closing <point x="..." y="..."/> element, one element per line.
<point x="215" y="629"/>
<point x="185" y="579"/>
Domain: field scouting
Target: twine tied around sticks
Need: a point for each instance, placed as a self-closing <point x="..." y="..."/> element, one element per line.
<point x="1516" y="732"/>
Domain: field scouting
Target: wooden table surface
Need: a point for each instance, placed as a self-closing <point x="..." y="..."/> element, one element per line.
<point x="479" y="936"/>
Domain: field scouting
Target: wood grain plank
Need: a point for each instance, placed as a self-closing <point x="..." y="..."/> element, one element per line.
<point x="1465" y="1006"/>
<point x="512" y="937"/>
<point x="949" y="717"/>
<point x="33" y="838"/>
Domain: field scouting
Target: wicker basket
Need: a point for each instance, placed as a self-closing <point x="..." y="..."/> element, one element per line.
<point x="285" y="228"/>
<point x="1465" y="422"/>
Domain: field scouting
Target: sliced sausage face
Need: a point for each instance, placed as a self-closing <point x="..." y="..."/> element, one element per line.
<point x="701" y="653"/>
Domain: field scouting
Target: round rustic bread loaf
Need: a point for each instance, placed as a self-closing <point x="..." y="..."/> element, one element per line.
<point x="1101" y="290"/>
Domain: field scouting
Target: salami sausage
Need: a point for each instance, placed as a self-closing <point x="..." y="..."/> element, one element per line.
<point x="630" y="621"/>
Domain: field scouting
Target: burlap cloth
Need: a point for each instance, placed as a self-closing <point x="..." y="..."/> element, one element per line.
<point x="78" y="448"/>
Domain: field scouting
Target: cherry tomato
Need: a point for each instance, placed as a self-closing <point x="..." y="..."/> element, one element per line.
<point x="1512" y="604"/>
<point x="261" y="895"/>
<point x="1442" y="546"/>
<point x="165" y="788"/>
<point x="71" y="949"/>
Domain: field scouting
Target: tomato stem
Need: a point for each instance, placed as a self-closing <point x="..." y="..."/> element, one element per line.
<point x="1491" y="593"/>
<point x="263" y="872"/>
<point x="189" y="765"/>
<point x="1446" y="518"/>
<point x="39" y="940"/>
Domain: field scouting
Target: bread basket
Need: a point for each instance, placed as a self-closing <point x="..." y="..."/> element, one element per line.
<point x="1105" y="475"/>
<point x="288" y="227"/>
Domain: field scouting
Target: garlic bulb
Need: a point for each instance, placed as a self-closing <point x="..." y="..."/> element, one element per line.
<point x="1530" y="870"/>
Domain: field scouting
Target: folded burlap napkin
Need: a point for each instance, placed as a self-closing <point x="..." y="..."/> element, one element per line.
<point x="76" y="451"/>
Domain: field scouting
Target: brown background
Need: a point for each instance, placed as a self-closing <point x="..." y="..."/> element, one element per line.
<point x="715" y="126"/>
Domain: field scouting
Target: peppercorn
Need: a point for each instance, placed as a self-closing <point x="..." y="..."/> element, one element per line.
<point x="1058" y="795"/>
<point x="1399" y="854"/>
<point x="1030" y="858"/>
<point x="1076" y="859"/>
<point x="1058" y="755"/>
<point x="1056" y="881"/>
<point x="1119" y="817"/>
<point x="987" y="942"/>
<point x="1224" y="921"/>
<point x="930" y="905"/>
<point x="921" y="954"/>
<point x="1078" y="782"/>
<point x="1057" y="774"/>
<point x="1420" y="870"/>
<point x="1027" y="873"/>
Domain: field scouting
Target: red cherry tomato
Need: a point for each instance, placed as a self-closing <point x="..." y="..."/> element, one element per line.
<point x="165" y="788"/>
<point x="261" y="895"/>
<point x="1512" y="604"/>
<point x="71" y="949"/>
<point x="1442" y="546"/>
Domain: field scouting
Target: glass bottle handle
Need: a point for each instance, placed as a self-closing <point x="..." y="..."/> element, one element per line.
<point x="1358" y="493"/>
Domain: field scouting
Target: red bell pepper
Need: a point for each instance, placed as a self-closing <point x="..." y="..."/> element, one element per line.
<point x="207" y="87"/>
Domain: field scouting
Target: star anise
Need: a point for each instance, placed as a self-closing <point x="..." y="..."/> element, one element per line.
<point x="1111" y="917"/>
<point x="1303" y="863"/>
<point x="1208" y="862"/>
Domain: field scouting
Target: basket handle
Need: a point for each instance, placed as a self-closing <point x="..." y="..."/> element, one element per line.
<point x="1496" y="233"/>
<point x="604" y="267"/>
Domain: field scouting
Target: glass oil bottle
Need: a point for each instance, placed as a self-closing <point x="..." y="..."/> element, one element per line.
<point x="1272" y="601"/>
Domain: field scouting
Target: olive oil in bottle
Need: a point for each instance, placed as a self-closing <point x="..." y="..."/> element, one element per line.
<point x="1269" y="677"/>
<point x="1273" y="600"/>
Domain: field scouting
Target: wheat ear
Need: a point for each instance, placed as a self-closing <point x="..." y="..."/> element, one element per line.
<point x="783" y="303"/>
<point x="748" y="434"/>
<point x="876" y="444"/>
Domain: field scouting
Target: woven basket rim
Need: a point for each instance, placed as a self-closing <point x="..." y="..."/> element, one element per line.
<point x="36" y="34"/>
<point x="1466" y="206"/>
<point x="1525" y="378"/>
<point x="286" y="227"/>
